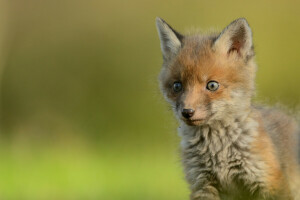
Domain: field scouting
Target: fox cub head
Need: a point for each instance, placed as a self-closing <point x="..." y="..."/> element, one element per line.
<point x="208" y="77"/>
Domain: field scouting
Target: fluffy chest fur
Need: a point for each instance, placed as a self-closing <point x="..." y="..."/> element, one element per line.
<point x="220" y="155"/>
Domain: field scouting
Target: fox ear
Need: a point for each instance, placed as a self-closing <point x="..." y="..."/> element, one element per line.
<point x="170" y="40"/>
<point x="236" y="38"/>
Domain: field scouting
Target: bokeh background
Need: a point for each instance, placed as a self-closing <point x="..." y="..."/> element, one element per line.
<point x="81" y="114"/>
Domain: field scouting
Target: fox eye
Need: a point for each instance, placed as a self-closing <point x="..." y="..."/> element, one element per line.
<point x="177" y="87"/>
<point x="212" y="85"/>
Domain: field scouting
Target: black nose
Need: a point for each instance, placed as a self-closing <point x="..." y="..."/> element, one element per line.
<point x="187" y="113"/>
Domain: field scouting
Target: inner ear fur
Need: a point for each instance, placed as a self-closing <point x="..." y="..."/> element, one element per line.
<point x="236" y="38"/>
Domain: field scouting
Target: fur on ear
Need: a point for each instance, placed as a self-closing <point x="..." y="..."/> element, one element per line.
<point x="170" y="40"/>
<point x="236" y="38"/>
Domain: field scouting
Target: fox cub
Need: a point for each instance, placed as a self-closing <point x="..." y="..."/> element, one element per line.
<point x="231" y="149"/>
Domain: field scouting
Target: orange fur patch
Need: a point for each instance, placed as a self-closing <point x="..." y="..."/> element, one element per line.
<point x="263" y="147"/>
<point x="197" y="64"/>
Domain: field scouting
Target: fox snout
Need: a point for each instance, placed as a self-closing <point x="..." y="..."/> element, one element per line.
<point x="187" y="113"/>
<point x="193" y="115"/>
<point x="192" y="106"/>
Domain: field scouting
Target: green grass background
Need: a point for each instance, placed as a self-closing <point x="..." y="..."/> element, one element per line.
<point x="81" y="113"/>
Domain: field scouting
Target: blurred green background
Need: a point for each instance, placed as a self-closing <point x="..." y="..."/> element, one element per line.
<point x="81" y="113"/>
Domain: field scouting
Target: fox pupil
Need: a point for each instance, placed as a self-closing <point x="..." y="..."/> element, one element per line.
<point x="177" y="87"/>
<point x="212" y="85"/>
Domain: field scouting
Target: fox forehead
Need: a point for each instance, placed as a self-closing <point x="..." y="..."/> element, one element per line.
<point x="198" y="62"/>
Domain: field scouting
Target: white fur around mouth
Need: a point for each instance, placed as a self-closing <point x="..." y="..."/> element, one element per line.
<point x="194" y="120"/>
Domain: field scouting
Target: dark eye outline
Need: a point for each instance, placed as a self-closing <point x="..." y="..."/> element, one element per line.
<point x="177" y="90"/>
<point x="207" y="86"/>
